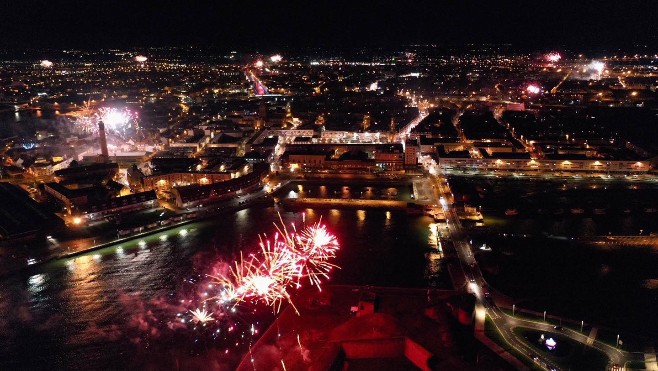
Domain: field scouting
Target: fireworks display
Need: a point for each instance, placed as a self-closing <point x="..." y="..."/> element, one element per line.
<point x="276" y="58"/>
<point x="116" y="121"/>
<point x="533" y="89"/>
<point x="281" y="264"/>
<point x="46" y="63"/>
<point x="553" y="57"/>
<point x="201" y="315"/>
<point x="227" y="307"/>
<point x="597" y="66"/>
<point x="141" y="59"/>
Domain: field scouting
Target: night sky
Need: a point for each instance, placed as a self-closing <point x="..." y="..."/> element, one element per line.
<point x="319" y="23"/>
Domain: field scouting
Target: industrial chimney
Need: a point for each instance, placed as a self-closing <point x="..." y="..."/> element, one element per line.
<point x="103" y="141"/>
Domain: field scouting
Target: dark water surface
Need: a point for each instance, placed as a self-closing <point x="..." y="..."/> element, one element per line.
<point x="117" y="308"/>
<point x="541" y="258"/>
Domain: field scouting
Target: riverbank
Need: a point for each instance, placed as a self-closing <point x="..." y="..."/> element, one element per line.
<point x="333" y="203"/>
<point x="186" y="218"/>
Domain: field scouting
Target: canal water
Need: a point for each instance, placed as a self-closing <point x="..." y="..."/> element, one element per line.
<point x="118" y="308"/>
<point x="540" y="257"/>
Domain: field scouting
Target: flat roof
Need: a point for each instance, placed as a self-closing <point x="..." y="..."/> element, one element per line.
<point x="20" y="214"/>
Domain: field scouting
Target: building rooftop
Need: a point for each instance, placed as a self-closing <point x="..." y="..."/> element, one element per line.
<point x="20" y="215"/>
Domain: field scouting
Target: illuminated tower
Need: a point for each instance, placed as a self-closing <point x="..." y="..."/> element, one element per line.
<point x="103" y="141"/>
<point x="366" y="122"/>
<point x="262" y="110"/>
<point x="288" y="119"/>
<point x="261" y="118"/>
<point x="319" y="122"/>
<point x="391" y="131"/>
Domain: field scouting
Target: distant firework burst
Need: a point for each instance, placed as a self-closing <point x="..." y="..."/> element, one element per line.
<point x="597" y="66"/>
<point x="141" y="59"/>
<point x="553" y="57"/>
<point x="533" y="89"/>
<point x="282" y="263"/>
<point x="46" y="63"/>
<point x="201" y="315"/>
<point x="116" y="121"/>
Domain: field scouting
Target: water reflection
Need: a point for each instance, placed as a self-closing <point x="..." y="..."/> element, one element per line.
<point x="35" y="284"/>
<point x="323" y="191"/>
<point x="118" y="300"/>
<point x="84" y="290"/>
<point x="334" y="215"/>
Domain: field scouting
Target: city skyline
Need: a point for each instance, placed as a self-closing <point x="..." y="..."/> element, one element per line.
<point x="328" y="185"/>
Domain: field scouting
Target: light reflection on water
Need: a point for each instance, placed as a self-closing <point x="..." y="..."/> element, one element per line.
<point x="86" y="310"/>
<point x="35" y="284"/>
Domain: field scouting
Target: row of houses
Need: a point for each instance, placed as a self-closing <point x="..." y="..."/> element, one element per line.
<point x="544" y="165"/>
<point x="95" y="203"/>
<point x="195" y="194"/>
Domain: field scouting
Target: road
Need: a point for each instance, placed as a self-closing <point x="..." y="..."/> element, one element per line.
<point x="404" y="132"/>
<point x="473" y="282"/>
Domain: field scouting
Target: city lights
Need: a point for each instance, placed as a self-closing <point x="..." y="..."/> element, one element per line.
<point x="258" y="186"/>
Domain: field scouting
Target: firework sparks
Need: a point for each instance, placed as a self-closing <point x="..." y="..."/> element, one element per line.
<point x="597" y="66"/>
<point x="533" y="89"/>
<point x="116" y="121"/>
<point x="201" y="316"/>
<point x="553" y="57"/>
<point x="141" y="58"/>
<point x="280" y="265"/>
<point x="46" y="63"/>
<point x="314" y="246"/>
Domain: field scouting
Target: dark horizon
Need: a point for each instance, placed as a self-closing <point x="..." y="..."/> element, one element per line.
<point x="593" y="25"/>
